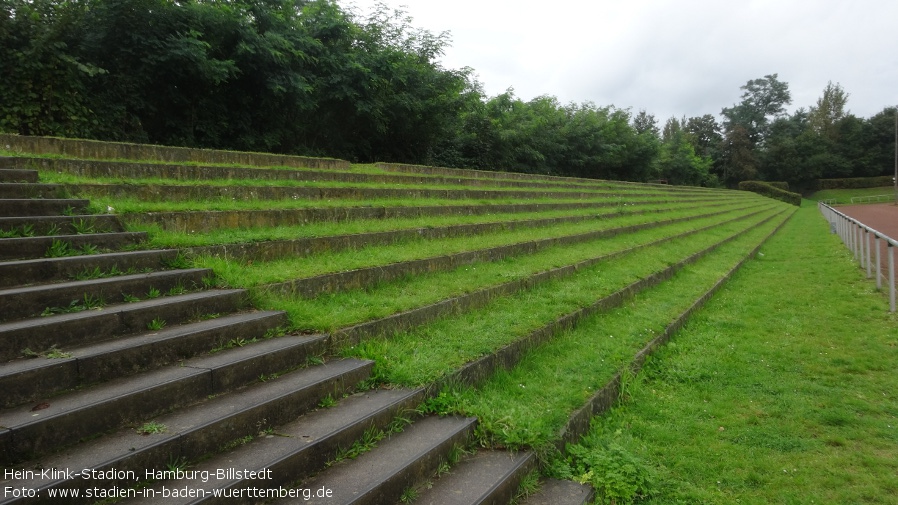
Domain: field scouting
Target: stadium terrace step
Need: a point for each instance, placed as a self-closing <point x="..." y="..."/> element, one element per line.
<point x="62" y="245"/>
<point x="93" y="149"/>
<point x="204" y="428"/>
<point x="25" y="272"/>
<point x="68" y="418"/>
<point x="298" y="449"/>
<point x="203" y="221"/>
<point x="170" y="192"/>
<point x="60" y="225"/>
<point x="42" y="207"/>
<point x="560" y="492"/>
<point x="86" y="327"/>
<point x="14" y="190"/>
<point x="18" y="175"/>
<point x="132" y="170"/>
<point x="485" y="477"/>
<point x="71" y="367"/>
<point x="32" y="301"/>
<point x="397" y="463"/>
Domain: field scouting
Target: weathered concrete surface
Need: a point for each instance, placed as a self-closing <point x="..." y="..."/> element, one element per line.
<point x="115" y="150"/>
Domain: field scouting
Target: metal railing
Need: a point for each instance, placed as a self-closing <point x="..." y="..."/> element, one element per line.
<point x="856" y="236"/>
<point x="872" y="198"/>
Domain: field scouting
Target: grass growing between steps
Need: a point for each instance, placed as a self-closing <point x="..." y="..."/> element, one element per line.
<point x="433" y="351"/>
<point x="131" y="205"/>
<point x="54" y="177"/>
<point x="167" y="238"/>
<point x="244" y="275"/>
<point x="781" y="390"/>
<point x="331" y="311"/>
<point x="528" y="405"/>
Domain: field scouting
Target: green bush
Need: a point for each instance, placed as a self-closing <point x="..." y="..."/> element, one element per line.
<point x="855" y="182"/>
<point x="770" y="191"/>
<point x="779" y="185"/>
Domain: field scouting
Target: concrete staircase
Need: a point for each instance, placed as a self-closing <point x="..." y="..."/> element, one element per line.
<point x="127" y="377"/>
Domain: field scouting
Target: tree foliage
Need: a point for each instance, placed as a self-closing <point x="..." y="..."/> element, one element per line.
<point x="311" y="77"/>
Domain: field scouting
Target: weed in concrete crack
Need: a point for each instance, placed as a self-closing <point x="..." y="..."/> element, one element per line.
<point x="153" y="293"/>
<point x="179" y="262"/>
<point x="89" y="249"/>
<point x="174" y="465"/>
<point x="83" y="227"/>
<point x="88" y="302"/>
<point x="128" y="298"/>
<point x="58" y="249"/>
<point x="52" y="353"/>
<point x="327" y="402"/>
<point x="409" y="495"/>
<point x="151" y="427"/>
<point x="156" y="324"/>
<point x="178" y="289"/>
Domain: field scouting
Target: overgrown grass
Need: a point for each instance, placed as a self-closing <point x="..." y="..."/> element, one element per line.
<point x="335" y="310"/>
<point x="782" y="390"/>
<point x="245" y="275"/>
<point x="432" y="351"/>
<point x="50" y="176"/>
<point x="556" y="379"/>
<point x="136" y="206"/>
<point x="170" y="238"/>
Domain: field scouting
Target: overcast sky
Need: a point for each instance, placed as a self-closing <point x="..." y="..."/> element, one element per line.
<point x="671" y="58"/>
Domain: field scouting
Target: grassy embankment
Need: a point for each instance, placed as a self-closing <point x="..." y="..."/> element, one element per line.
<point x="782" y="390"/>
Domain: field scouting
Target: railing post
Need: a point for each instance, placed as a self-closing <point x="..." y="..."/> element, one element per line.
<point x="867" y="246"/>
<point x="891" y="277"/>
<point x="878" y="264"/>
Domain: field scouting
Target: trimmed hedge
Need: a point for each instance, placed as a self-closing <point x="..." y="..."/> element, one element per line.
<point x="770" y="191"/>
<point x="779" y="185"/>
<point x="855" y="182"/>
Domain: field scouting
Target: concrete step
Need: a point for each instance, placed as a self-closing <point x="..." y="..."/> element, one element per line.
<point x="28" y="380"/>
<point x="42" y="207"/>
<point x="28" y="272"/>
<point x="10" y="162"/>
<point x="18" y="175"/>
<point x="485" y="477"/>
<point x="137" y="170"/>
<point x="77" y="329"/>
<point x="34" y="430"/>
<point x="65" y="245"/>
<point x="400" y="462"/>
<point x="32" y="301"/>
<point x="32" y="190"/>
<point x="202" y="429"/>
<point x="152" y="192"/>
<point x="60" y="225"/>
<point x="295" y="450"/>
<point x="560" y="492"/>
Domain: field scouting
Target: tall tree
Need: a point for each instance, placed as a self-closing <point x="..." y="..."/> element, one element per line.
<point x="830" y="109"/>
<point x="763" y="100"/>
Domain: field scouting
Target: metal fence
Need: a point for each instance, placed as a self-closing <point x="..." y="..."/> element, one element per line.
<point x="872" y="198"/>
<point x="857" y="237"/>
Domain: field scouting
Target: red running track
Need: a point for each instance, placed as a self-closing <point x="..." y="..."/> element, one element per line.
<point x="882" y="217"/>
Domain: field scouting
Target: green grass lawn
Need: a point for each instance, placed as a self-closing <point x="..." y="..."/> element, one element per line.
<point x="783" y="389"/>
<point x="843" y="196"/>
